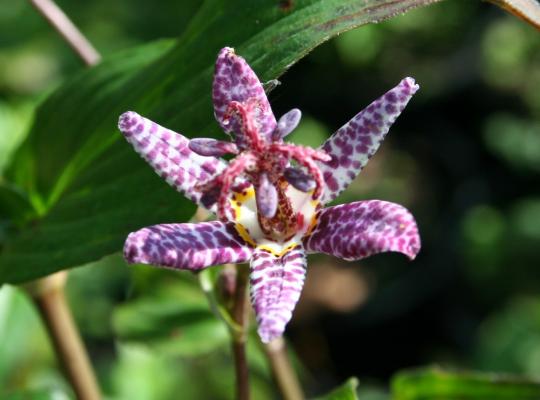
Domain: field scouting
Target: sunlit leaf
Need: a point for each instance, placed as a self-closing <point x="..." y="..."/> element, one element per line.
<point x="37" y="395"/>
<point x="435" y="384"/>
<point x="14" y="121"/>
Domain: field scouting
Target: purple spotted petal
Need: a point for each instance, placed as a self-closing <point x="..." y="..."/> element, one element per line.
<point x="275" y="284"/>
<point x="267" y="197"/>
<point x="287" y="123"/>
<point x="234" y="80"/>
<point x="187" y="246"/>
<point x="169" y="155"/>
<point x="363" y="228"/>
<point x="210" y="197"/>
<point x="212" y="147"/>
<point x="354" y="143"/>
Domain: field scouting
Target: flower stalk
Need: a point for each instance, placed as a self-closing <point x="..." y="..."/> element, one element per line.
<point x="282" y="370"/>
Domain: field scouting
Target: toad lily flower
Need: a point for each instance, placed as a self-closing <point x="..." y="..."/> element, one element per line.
<point x="269" y="198"/>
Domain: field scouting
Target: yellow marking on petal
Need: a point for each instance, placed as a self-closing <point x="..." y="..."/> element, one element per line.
<point x="312" y="225"/>
<point x="275" y="253"/>
<point x="244" y="234"/>
<point x="239" y="198"/>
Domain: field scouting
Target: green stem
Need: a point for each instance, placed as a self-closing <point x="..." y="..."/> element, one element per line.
<point x="240" y="314"/>
<point x="219" y="310"/>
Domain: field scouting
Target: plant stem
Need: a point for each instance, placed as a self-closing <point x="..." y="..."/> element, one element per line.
<point x="48" y="295"/>
<point x="284" y="374"/>
<point x="240" y="314"/>
<point x="241" y="370"/>
<point x="63" y="25"/>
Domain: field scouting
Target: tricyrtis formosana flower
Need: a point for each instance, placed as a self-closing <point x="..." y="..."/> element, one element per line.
<point x="270" y="197"/>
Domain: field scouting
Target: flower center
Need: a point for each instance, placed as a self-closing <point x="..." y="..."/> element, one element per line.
<point x="295" y="217"/>
<point x="269" y="200"/>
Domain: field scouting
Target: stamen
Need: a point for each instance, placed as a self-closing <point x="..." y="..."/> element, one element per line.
<point x="242" y="115"/>
<point x="212" y="147"/>
<point x="305" y="156"/>
<point x="299" y="179"/>
<point x="267" y="197"/>
<point x="286" y="124"/>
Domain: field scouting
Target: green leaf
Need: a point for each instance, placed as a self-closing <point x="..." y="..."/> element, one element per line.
<point x="35" y="395"/>
<point x="149" y="318"/>
<point x="437" y="384"/>
<point x="171" y="325"/>
<point x="87" y="185"/>
<point x="14" y="204"/>
<point x="346" y="391"/>
<point x="14" y="123"/>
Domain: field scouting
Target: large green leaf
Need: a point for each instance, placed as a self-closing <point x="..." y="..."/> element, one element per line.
<point x="14" y="205"/>
<point x="87" y="186"/>
<point x="437" y="384"/>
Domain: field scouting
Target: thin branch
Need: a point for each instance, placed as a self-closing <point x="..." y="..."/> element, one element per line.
<point x="71" y="34"/>
<point x="284" y="374"/>
<point x="48" y="295"/>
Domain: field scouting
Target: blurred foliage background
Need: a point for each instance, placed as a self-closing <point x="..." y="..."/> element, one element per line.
<point x="464" y="158"/>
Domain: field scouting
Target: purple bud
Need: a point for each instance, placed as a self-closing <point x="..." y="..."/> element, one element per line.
<point x="212" y="147"/>
<point x="299" y="179"/>
<point x="267" y="197"/>
<point x="287" y="123"/>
